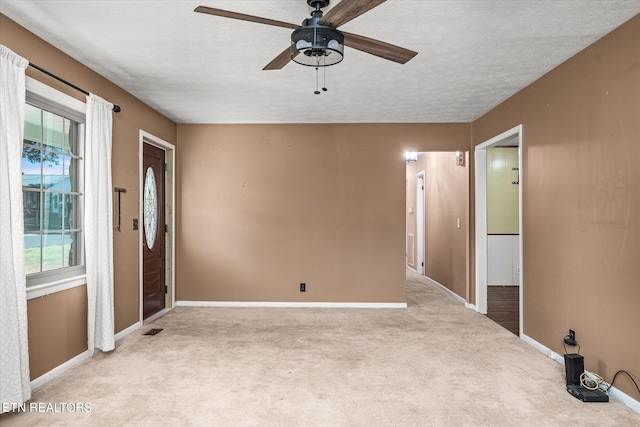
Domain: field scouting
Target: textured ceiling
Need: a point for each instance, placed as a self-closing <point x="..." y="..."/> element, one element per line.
<point x="197" y="68"/>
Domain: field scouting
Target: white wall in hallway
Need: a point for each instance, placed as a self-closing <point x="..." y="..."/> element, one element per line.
<point x="503" y="255"/>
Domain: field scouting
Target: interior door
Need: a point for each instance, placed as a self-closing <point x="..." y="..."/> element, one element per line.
<point x="153" y="287"/>
<point x="420" y="235"/>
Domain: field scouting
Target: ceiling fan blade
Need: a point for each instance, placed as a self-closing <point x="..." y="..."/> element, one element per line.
<point x="244" y="17"/>
<point x="279" y="61"/>
<point x="378" y="48"/>
<point x="347" y="10"/>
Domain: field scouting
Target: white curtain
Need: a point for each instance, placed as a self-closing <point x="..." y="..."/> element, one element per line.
<point x="15" y="385"/>
<point x="99" y="224"/>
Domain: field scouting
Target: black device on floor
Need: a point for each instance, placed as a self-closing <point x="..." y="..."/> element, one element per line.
<point x="574" y="368"/>
<point x="587" y="395"/>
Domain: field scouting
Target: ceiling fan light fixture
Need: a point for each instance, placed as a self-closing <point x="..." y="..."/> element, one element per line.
<point x="317" y="45"/>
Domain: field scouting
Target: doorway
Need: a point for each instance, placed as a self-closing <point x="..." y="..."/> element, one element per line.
<point x="420" y="236"/>
<point x="156" y="227"/>
<point x="499" y="253"/>
<point x="153" y="227"/>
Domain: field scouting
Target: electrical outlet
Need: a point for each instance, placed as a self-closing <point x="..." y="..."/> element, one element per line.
<point x="572" y="335"/>
<point x="303" y="287"/>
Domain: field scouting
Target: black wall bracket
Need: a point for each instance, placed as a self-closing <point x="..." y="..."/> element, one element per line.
<point x="119" y="191"/>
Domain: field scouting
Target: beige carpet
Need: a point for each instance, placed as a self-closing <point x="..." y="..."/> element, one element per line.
<point x="435" y="363"/>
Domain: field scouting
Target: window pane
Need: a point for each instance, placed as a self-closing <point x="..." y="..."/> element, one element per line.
<point x="70" y="175"/>
<point x="55" y="132"/>
<point x="72" y="251"/>
<point x="150" y="208"/>
<point x="52" y="213"/>
<point x="72" y="136"/>
<point x="71" y="204"/>
<point x="31" y="209"/>
<point x="31" y="164"/>
<point x="32" y="124"/>
<point x="31" y="253"/>
<point x="52" y="251"/>
<point x="52" y="176"/>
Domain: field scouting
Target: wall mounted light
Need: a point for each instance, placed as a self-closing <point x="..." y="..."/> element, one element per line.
<point x="411" y="156"/>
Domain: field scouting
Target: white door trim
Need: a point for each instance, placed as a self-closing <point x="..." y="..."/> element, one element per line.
<point x="420" y="233"/>
<point x="481" y="219"/>
<point x="170" y="203"/>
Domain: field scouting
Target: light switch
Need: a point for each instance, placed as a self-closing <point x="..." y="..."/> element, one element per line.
<point x="458" y="222"/>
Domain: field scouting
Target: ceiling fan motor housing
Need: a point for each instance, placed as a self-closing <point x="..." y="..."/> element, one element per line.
<point x="320" y="45"/>
<point x="318" y="4"/>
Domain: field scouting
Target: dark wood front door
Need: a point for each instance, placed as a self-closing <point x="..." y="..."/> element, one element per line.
<point x="153" y="287"/>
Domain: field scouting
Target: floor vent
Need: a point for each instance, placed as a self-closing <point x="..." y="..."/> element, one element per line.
<point x="153" y="331"/>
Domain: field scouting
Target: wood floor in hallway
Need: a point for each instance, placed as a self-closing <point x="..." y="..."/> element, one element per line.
<point x="503" y="306"/>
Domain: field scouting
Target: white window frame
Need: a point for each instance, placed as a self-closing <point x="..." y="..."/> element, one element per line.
<point x="46" y="284"/>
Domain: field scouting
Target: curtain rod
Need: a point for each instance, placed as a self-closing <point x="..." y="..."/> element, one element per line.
<point x="116" y="108"/>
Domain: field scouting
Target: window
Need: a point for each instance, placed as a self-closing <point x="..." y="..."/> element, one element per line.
<point x="52" y="184"/>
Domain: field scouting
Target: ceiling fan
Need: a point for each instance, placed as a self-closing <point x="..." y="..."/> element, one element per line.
<point x="318" y="42"/>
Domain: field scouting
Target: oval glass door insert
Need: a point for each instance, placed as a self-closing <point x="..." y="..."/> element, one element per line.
<point x="150" y="208"/>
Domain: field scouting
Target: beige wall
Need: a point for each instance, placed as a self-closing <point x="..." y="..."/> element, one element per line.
<point x="265" y="207"/>
<point x="446" y="200"/>
<point x="581" y="201"/>
<point x="262" y="208"/>
<point x="57" y="329"/>
<point x="126" y="126"/>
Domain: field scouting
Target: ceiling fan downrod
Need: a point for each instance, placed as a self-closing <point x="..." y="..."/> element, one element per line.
<point x="318" y="5"/>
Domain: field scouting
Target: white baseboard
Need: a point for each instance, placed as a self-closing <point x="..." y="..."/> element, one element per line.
<point x="543" y="349"/>
<point x="447" y="290"/>
<point x="258" y="304"/>
<point x="123" y="333"/>
<point x="44" y="378"/>
<point x="613" y="392"/>
<point x="471" y="306"/>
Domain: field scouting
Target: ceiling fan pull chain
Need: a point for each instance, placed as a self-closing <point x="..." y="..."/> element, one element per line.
<point x="324" y="76"/>
<point x="317" y="92"/>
